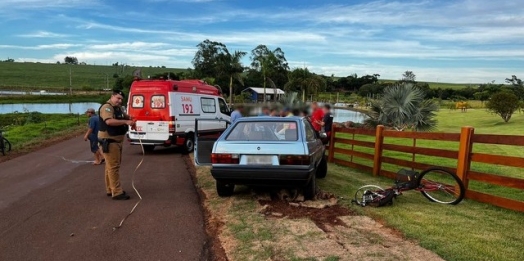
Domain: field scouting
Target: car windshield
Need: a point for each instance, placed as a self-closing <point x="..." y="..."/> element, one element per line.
<point x="264" y="131"/>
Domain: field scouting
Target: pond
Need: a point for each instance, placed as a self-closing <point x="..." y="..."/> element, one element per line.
<point x="76" y="107"/>
<point x="343" y="115"/>
<point x="31" y="93"/>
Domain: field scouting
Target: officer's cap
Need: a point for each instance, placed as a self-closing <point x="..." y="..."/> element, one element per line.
<point x="119" y="92"/>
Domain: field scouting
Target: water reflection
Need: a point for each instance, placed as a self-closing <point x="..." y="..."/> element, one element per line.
<point x="31" y="93"/>
<point x="76" y="107"/>
<point x="342" y="115"/>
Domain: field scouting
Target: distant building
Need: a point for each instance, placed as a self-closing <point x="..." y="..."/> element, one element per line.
<point x="257" y="93"/>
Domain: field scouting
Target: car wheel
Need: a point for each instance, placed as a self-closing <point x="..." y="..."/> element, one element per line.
<point x="189" y="143"/>
<point x="224" y="189"/>
<point x="149" y="147"/>
<point x="322" y="168"/>
<point x="310" y="191"/>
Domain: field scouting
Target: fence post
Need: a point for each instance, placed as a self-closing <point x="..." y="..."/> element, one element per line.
<point x="379" y="140"/>
<point x="464" y="154"/>
<point x="331" y="152"/>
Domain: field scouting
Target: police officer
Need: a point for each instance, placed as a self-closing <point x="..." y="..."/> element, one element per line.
<point x="113" y="127"/>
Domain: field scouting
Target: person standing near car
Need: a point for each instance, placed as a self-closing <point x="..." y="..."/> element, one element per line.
<point x="327" y="122"/>
<point x="113" y="127"/>
<point x="317" y="115"/>
<point x="237" y="113"/>
<point x="92" y="136"/>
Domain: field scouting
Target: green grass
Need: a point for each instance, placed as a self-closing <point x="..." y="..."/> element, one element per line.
<point x="451" y="122"/>
<point x="24" y="135"/>
<point x="39" y="76"/>
<point x="468" y="231"/>
<point x="55" y="99"/>
<point x="442" y="85"/>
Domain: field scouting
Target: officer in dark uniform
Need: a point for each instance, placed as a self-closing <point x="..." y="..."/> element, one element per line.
<point x="113" y="127"/>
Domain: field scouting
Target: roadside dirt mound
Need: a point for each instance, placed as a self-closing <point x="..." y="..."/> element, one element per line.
<point x="320" y="216"/>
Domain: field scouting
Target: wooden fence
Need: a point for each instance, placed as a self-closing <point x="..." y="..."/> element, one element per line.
<point x="371" y="158"/>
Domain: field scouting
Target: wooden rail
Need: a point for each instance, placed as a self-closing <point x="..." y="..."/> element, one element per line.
<point x="371" y="161"/>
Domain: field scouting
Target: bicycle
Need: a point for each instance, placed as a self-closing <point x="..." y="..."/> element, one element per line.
<point x="5" y="145"/>
<point x="435" y="183"/>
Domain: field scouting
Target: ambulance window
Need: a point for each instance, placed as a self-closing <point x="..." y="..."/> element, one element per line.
<point x="158" y="101"/>
<point x="223" y="106"/>
<point x="208" y="105"/>
<point x="138" y="101"/>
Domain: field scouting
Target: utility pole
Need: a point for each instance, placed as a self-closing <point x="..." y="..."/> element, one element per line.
<point x="70" y="82"/>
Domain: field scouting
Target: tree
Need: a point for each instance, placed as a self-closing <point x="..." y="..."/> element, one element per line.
<point x="70" y="60"/>
<point x="504" y="104"/>
<point x="269" y="63"/>
<point x="409" y="76"/>
<point x="305" y="81"/>
<point x="232" y="67"/>
<point x="208" y="58"/>
<point x="403" y="107"/>
<point x="514" y="81"/>
<point x="481" y="96"/>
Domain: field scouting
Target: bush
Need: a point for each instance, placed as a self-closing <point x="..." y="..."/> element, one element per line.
<point x="503" y="104"/>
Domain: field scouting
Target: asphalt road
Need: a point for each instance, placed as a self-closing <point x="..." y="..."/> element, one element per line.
<point x="53" y="206"/>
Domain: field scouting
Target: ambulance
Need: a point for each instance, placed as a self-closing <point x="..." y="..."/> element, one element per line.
<point x="165" y="112"/>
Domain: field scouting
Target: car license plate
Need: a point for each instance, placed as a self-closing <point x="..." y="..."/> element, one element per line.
<point x="259" y="160"/>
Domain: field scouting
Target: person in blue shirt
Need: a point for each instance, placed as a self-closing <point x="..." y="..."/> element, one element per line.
<point x="265" y="111"/>
<point x="237" y="113"/>
<point x="92" y="136"/>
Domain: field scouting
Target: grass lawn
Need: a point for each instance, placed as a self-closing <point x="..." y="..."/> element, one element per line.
<point x="24" y="134"/>
<point x="56" y="76"/>
<point x="468" y="231"/>
<point x="450" y="121"/>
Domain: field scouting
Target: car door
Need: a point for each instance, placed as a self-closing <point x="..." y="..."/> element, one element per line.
<point x="314" y="145"/>
<point x="204" y="141"/>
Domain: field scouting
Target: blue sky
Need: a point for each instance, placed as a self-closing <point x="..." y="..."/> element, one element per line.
<point x="467" y="41"/>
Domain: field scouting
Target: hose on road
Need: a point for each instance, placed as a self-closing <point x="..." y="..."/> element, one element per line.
<point x="133" y="185"/>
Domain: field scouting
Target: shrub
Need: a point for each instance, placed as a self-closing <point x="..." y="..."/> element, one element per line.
<point x="503" y="104"/>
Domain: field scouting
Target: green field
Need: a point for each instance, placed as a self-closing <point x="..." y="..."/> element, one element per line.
<point x="26" y="131"/>
<point x="442" y="85"/>
<point x="450" y="121"/>
<point x="465" y="232"/>
<point x="42" y="76"/>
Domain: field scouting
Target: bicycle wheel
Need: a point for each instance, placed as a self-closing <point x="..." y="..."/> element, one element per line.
<point x="441" y="186"/>
<point x="5" y="146"/>
<point x="2" y="150"/>
<point x="366" y="194"/>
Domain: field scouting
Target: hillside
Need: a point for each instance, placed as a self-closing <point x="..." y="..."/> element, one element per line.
<point x="46" y="76"/>
<point x="56" y="76"/>
<point x="442" y="85"/>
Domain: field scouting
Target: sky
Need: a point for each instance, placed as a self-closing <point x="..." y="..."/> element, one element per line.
<point x="461" y="41"/>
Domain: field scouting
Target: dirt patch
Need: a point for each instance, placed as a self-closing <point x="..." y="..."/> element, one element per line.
<point x="280" y="225"/>
<point x="320" y="216"/>
<point x="213" y="249"/>
<point x="43" y="144"/>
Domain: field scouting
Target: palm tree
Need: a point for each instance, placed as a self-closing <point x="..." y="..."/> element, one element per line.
<point x="304" y="80"/>
<point x="234" y="69"/>
<point x="404" y="107"/>
<point x="268" y="62"/>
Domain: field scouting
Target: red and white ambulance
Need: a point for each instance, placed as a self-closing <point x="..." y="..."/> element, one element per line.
<point x="165" y="112"/>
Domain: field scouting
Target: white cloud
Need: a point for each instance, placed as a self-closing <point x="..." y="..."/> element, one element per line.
<point x="41" y="47"/>
<point x="46" y="4"/>
<point x="127" y="46"/>
<point x="42" y="34"/>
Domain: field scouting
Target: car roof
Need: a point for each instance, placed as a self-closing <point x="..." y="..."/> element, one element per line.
<point x="268" y="118"/>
